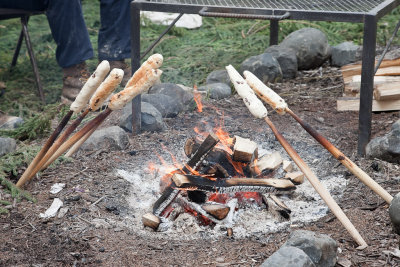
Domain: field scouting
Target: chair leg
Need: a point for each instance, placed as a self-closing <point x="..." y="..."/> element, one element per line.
<point x="367" y="82"/>
<point x="24" y="21"/>
<point x="273" y="32"/>
<point x="17" y="49"/>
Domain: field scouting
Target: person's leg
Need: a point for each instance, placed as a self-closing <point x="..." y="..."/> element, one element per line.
<point x="69" y="32"/>
<point x="113" y="39"/>
<point x="114" y="35"/>
<point x="73" y="44"/>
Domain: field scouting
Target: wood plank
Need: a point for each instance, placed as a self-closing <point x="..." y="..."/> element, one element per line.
<point x="355" y="69"/>
<point x="387" y="91"/>
<point x="389" y="71"/>
<point x="353" y="104"/>
<point x="352" y="84"/>
<point x="244" y="150"/>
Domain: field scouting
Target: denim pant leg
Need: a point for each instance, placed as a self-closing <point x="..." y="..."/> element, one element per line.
<point x="114" y="34"/>
<point x="69" y="32"/>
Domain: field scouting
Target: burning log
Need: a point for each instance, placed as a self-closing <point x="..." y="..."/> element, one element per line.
<point x="295" y="177"/>
<point x="268" y="162"/>
<point x="219" y="211"/>
<point x="192" y="182"/>
<point x="244" y="150"/>
<point x="150" y="220"/>
<point x="258" y="110"/>
<point x="287" y="166"/>
<point x="171" y="192"/>
<point x="77" y="106"/>
<point x="276" y="207"/>
<point x="276" y="102"/>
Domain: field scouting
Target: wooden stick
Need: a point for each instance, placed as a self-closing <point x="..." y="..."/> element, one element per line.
<point x="243" y="91"/>
<point x="77" y="145"/>
<point x="351" y="166"/>
<point x="44" y="149"/>
<point x="269" y="96"/>
<point x="322" y="191"/>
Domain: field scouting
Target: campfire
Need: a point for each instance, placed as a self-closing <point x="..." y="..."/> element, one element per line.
<point x="222" y="175"/>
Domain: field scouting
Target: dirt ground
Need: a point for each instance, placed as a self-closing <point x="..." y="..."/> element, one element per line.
<point x="93" y="191"/>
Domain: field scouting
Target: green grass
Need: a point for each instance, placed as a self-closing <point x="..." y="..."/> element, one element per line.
<point x="189" y="55"/>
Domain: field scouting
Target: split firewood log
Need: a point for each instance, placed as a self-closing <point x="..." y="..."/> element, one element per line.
<point x="151" y="220"/>
<point x="244" y="150"/>
<point x="268" y="162"/>
<point x="287" y="166"/>
<point x="295" y="177"/>
<point x="219" y="211"/>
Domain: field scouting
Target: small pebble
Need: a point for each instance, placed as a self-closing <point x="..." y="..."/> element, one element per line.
<point x="102" y="249"/>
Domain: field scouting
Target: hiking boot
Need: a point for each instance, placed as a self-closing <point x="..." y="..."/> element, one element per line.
<point x="74" y="78"/>
<point x="120" y="64"/>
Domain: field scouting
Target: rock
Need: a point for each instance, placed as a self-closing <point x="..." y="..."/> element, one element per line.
<point x="394" y="213"/>
<point x="345" y="53"/>
<point x="9" y="122"/>
<point x="168" y="107"/>
<point x="218" y="76"/>
<point x="264" y="66"/>
<point x="321" y="249"/>
<point x="7" y="145"/>
<point x="114" y="138"/>
<point x="311" y="46"/>
<point x="386" y="147"/>
<point x="151" y="118"/>
<point x="175" y="91"/>
<point x="287" y="60"/>
<point x="216" y="90"/>
<point x="288" y="256"/>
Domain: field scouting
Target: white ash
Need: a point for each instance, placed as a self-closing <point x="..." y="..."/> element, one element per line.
<point x="305" y="203"/>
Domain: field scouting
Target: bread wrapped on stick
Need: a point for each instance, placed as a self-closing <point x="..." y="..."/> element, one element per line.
<point x="119" y="100"/>
<point x="266" y="93"/>
<point x="106" y="88"/>
<point x="252" y="102"/>
<point x="153" y="62"/>
<point x="90" y="87"/>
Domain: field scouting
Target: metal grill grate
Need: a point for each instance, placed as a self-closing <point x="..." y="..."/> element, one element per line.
<point x="348" y="6"/>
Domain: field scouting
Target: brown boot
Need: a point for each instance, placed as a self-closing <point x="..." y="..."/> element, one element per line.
<point x="120" y="64"/>
<point x="74" y="78"/>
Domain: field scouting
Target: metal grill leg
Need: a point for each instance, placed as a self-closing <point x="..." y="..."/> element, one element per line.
<point x="135" y="62"/>
<point x="24" y="21"/>
<point x="367" y="82"/>
<point x="273" y="32"/>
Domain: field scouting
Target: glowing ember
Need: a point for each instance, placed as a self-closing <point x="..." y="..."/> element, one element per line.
<point x="219" y="198"/>
<point x="244" y="197"/>
<point x="197" y="99"/>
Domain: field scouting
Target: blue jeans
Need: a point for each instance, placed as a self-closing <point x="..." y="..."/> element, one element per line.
<point x="70" y="33"/>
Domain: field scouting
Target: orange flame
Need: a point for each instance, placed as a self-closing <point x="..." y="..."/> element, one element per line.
<point x="197" y="99"/>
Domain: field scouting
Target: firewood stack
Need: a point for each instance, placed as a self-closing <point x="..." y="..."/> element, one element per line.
<point x="386" y="87"/>
<point x="215" y="182"/>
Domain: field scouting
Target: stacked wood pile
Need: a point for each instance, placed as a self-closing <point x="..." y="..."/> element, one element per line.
<point x="386" y="87"/>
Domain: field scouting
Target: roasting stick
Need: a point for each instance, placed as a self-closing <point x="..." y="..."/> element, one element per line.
<point x="101" y="94"/>
<point x="118" y="101"/>
<point x="153" y="62"/>
<point x="77" y="106"/>
<point x="258" y="110"/>
<point x="277" y="103"/>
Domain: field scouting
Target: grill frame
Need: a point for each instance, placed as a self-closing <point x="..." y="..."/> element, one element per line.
<point x="368" y="17"/>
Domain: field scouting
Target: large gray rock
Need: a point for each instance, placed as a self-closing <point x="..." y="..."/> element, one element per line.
<point x="264" y="66"/>
<point x="386" y="147"/>
<point x="321" y="249"/>
<point x="151" y="118"/>
<point x="311" y="46"/>
<point x="112" y="138"/>
<point x="7" y="145"/>
<point x="345" y="53"/>
<point x="174" y="91"/>
<point x="216" y="90"/>
<point x="169" y="107"/>
<point x="288" y="257"/>
<point x="9" y="122"/>
<point x="287" y="60"/>
<point x="218" y="76"/>
<point x="394" y="213"/>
